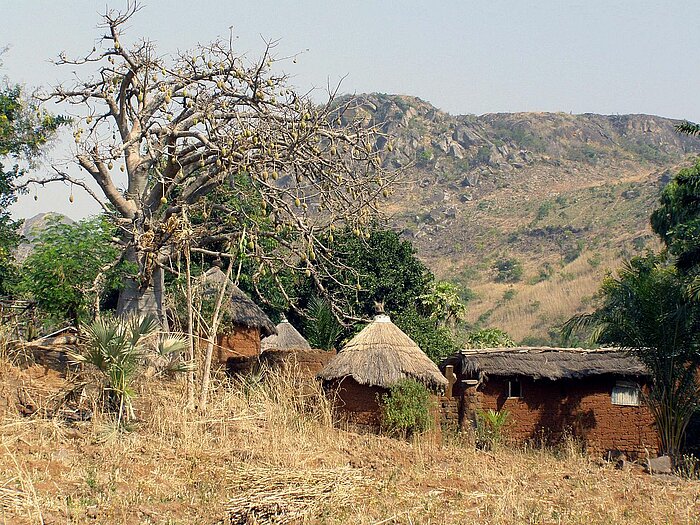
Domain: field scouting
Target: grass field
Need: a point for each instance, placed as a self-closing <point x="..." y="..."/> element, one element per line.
<point x="267" y="452"/>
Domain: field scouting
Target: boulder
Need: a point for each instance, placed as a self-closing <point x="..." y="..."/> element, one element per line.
<point x="660" y="465"/>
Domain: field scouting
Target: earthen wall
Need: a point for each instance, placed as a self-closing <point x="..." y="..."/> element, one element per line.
<point x="583" y="408"/>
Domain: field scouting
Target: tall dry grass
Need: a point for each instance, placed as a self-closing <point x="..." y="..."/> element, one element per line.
<point x="267" y="449"/>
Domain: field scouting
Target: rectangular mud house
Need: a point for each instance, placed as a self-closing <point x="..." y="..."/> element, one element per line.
<point x="595" y="395"/>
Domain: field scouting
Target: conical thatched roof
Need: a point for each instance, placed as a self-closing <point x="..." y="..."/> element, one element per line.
<point x="240" y="308"/>
<point x="287" y="338"/>
<point x="381" y="355"/>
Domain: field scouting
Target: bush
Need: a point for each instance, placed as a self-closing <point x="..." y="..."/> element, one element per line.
<point x="508" y="270"/>
<point x="406" y="408"/>
<point x="489" y="427"/>
<point x="488" y="338"/>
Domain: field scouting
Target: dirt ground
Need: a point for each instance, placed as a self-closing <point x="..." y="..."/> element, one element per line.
<point x="264" y="454"/>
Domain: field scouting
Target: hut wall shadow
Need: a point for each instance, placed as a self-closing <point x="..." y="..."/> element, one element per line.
<point x="549" y="411"/>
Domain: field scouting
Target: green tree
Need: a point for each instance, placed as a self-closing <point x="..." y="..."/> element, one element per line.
<point x="489" y="338"/>
<point x="436" y="342"/>
<point x="69" y="267"/>
<point x="24" y="129"/>
<point x="645" y="309"/>
<point x="443" y="303"/>
<point x="385" y="270"/>
<point x="677" y="219"/>
<point x="508" y="270"/>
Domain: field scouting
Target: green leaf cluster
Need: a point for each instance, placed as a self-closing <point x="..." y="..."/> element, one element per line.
<point x="489" y="338"/>
<point x="406" y="408"/>
<point x="60" y="273"/>
<point x="677" y="219"/>
<point x="24" y="129"/>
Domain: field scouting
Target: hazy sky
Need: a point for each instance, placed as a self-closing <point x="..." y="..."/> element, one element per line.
<point x="601" y="56"/>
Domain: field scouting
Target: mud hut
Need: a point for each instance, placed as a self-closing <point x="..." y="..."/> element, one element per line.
<point x="594" y="395"/>
<point x="289" y="349"/>
<point x="375" y="359"/>
<point x="243" y="324"/>
<point x="286" y="339"/>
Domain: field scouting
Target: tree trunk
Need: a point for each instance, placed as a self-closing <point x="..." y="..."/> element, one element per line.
<point x="135" y="299"/>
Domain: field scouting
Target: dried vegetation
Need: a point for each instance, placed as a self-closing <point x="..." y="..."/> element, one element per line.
<point x="266" y="451"/>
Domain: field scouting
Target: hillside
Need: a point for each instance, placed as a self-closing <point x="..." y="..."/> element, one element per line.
<point x="566" y="196"/>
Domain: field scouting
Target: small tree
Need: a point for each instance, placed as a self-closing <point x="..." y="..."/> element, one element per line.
<point x="24" y="129"/>
<point x="70" y="266"/>
<point x="443" y="303"/>
<point x="406" y="408"/>
<point x="488" y="338"/>
<point x="508" y="270"/>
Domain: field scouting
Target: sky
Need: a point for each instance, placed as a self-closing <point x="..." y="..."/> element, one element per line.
<point x="598" y="56"/>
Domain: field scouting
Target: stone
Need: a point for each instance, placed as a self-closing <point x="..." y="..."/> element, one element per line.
<point x="660" y="465"/>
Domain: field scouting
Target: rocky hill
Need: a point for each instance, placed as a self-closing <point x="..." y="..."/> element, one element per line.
<point x="527" y="211"/>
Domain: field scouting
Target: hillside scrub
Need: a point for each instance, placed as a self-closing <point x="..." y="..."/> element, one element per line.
<point x="271" y="444"/>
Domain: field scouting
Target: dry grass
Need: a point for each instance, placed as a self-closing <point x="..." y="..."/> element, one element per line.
<point x="536" y="308"/>
<point x="269" y="449"/>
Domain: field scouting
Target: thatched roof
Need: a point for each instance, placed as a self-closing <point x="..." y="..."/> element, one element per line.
<point x="240" y="308"/>
<point x="287" y="338"/>
<point x="381" y="355"/>
<point x="546" y="362"/>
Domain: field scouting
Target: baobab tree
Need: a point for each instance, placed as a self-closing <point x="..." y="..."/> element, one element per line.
<point x="208" y="150"/>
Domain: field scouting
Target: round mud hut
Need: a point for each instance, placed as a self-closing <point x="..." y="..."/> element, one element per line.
<point x="243" y="322"/>
<point x="287" y="339"/>
<point x="374" y="360"/>
<point x="289" y="349"/>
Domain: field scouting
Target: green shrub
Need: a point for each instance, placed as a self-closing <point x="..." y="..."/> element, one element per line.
<point x="406" y="408"/>
<point x="488" y="338"/>
<point x="508" y="270"/>
<point x="489" y="427"/>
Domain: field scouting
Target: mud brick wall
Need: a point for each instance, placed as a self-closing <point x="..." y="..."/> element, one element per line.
<point x="548" y="409"/>
<point x="242" y="342"/>
<point x="358" y="404"/>
<point x="448" y="408"/>
<point x="307" y="363"/>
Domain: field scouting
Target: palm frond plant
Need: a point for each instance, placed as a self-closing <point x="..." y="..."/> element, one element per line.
<point x="689" y="128"/>
<point x="489" y="427"/>
<point x="646" y="310"/>
<point x="322" y="327"/>
<point x="117" y="348"/>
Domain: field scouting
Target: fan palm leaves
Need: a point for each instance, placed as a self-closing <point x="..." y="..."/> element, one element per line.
<point x="117" y="348"/>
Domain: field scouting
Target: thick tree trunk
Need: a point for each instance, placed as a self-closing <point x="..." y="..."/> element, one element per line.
<point x="135" y="299"/>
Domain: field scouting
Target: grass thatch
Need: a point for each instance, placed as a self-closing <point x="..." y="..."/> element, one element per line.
<point x="287" y="338"/>
<point x="240" y="308"/>
<point x="547" y="363"/>
<point x="381" y="355"/>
